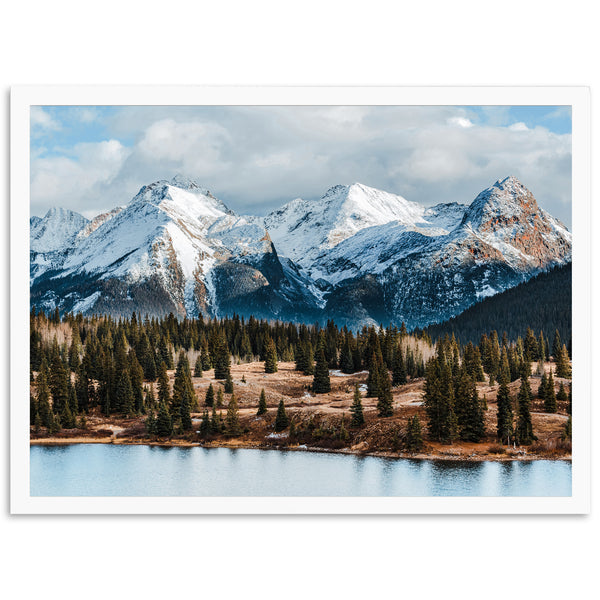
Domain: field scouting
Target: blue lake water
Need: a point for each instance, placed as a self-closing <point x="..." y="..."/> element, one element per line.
<point x="115" y="470"/>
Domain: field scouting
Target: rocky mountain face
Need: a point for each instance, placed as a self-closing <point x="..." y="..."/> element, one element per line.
<point x="358" y="255"/>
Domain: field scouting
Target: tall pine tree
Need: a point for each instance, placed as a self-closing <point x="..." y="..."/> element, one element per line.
<point x="270" y="356"/>
<point x="321" y="383"/>
<point x="262" y="404"/>
<point x="281" y="420"/>
<point x="504" y="428"/>
<point x="524" y="429"/>
<point x="356" y="409"/>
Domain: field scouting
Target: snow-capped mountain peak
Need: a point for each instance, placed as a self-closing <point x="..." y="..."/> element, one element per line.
<point x="183" y="195"/>
<point x="55" y="230"/>
<point x="303" y="229"/>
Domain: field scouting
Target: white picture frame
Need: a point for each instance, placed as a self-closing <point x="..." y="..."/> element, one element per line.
<point x="23" y="97"/>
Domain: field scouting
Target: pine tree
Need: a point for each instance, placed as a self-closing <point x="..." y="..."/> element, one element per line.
<point x="82" y="389"/>
<point x="473" y="428"/>
<point x="346" y="362"/>
<point x="262" y="404"/>
<point x="300" y="358"/>
<point x="205" y="356"/>
<point x="524" y="430"/>
<point x="504" y="427"/>
<point x="215" y="424"/>
<point x="414" y="437"/>
<point x="150" y="423"/>
<point x="563" y="366"/>
<point x="146" y="357"/>
<point x="228" y="386"/>
<point x="246" y="348"/>
<point x="309" y="360"/>
<point x="399" y="370"/>
<point x="232" y="419"/>
<point x="281" y="420"/>
<point x="222" y="358"/>
<point x="385" y="402"/>
<point x="43" y="395"/>
<point x="184" y="414"/>
<point x="74" y="349"/>
<point x="530" y="345"/>
<point x="164" y="425"/>
<point x="209" y="399"/>
<point x="542" y="348"/>
<point x="66" y="417"/>
<point x="150" y="400"/>
<point x="270" y="356"/>
<point x="543" y="388"/>
<point x="198" y="367"/>
<point x="59" y="385"/>
<point x="472" y="362"/>
<point x="439" y="401"/>
<point x="55" y="425"/>
<point x="358" y="418"/>
<point x="463" y="391"/>
<point x="562" y="397"/>
<point x="164" y="390"/>
<point x="205" y="424"/>
<point x="373" y="378"/>
<point x="33" y="411"/>
<point x="72" y="399"/>
<point x="183" y="388"/>
<point x="164" y="352"/>
<point x="136" y="374"/>
<point x="550" y="395"/>
<point x="556" y="345"/>
<point x="124" y="394"/>
<point x="321" y="383"/>
<point x="220" y="398"/>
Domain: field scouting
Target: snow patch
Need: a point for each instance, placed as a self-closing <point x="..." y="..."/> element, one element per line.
<point x="278" y="436"/>
<point x="338" y="373"/>
<point x="86" y="304"/>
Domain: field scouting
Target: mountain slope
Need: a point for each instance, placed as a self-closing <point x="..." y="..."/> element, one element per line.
<point x="304" y="230"/>
<point x="543" y="303"/>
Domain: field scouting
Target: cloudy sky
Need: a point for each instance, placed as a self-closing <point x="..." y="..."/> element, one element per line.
<point x="93" y="158"/>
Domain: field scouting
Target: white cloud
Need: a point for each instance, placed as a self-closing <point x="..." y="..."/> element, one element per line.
<point x="70" y="181"/>
<point x="460" y="122"/>
<point x="518" y="127"/>
<point x="256" y="158"/>
<point x="41" y="120"/>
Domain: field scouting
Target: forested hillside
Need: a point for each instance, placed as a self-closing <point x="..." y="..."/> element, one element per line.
<point x="542" y="303"/>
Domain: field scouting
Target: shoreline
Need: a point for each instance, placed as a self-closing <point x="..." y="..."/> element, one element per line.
<point x="449" y="456"/>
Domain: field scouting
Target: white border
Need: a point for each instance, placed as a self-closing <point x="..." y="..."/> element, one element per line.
<point x="22" y="97"/>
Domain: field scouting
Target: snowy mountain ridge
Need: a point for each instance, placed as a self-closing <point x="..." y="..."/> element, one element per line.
<point x="358" y="254"/>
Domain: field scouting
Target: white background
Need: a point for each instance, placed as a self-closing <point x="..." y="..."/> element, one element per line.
<point x="374" y="43"/>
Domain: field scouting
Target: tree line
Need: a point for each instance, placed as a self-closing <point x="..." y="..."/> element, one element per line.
<point x="107" y="364"/>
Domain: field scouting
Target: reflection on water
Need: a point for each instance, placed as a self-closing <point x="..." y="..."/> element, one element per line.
<point x="120" y="470"/>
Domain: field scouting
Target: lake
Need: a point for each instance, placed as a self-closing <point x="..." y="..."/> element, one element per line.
<point x="121" y="470"/>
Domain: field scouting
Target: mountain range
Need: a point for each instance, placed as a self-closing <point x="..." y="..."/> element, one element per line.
<point x="357" y="255"/>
